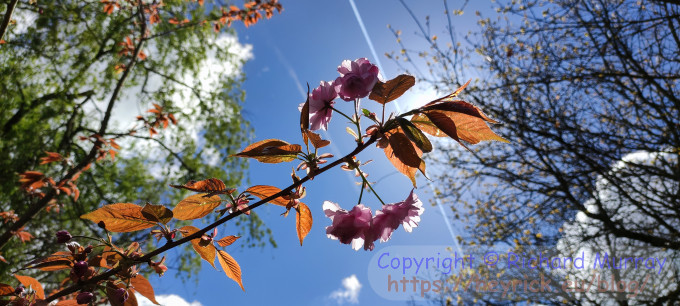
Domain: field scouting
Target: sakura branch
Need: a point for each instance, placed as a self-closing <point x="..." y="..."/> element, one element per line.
<point x="103" y="271"/>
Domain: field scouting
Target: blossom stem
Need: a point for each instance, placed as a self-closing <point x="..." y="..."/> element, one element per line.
<point x="369" y="186"/>
<point x="361" y="193"/>
<point x="356" y="122"/>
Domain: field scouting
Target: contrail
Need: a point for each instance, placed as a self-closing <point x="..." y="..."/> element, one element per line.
<point x="396" y="104"/>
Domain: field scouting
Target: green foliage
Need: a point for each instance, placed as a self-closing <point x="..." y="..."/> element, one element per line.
<point x="60" y="65"/>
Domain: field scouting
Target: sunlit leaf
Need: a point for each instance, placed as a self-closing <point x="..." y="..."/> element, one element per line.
<point x="271" y="151"/>
<point x="57" y="261"/>
<point x="6" y="290"/>
<point x="28" y="281"/>
<point x="210" y="185"/>
<point x="459" y="106"/>
<point x="230" y="267"/>
<point x="264" y="191"/>
<point x="303" y="221"/>
<point x="144" y="288"/>
<point x="410" y="172"/>
<point x="226" y="241"/>
<point x="206" y="252"/>
<point x="415" y="135"/>
<point x="120" y="217"/>
<point x="304" y="118"/>
<point x="316" y="140"/>
<point x="403" y="150"/>
<point x="157" y="213"/>
<point x="196" y="206"/>
<point x="392" y="89"/>
<point x="67" y="303"/>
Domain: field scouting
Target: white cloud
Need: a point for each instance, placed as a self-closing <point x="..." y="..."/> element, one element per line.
<point x="350" y="291"/>
<point x="168" y="299"/>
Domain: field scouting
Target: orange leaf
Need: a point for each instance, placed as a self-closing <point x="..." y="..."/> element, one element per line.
<point x="304" y="118"/>
<point x="157" y="213"/>
<point x="226" y="241"/>
<point x="196" y="206"/>
<point x="410" y="172"/>
<point x="469" y="128"/>
<point x="392" y="89"/>
<point x="51" y="157"/>
<point x="459" y="106"/>
<point x="67" y="303"/>
<point x="120" y="217"/>
<point x="54" y="262"/>
<point x="144" y="288"/>
<point x="303" y="221"/>
<point x="445" y="124"/>
<point x="264" y="191"/>
<point x="211" y="185"/>
<point x="403" y="150"/>
<point x="6" y="290"/>
<point x="424" y="124"/>
<point x="316" y="140"/>
<point x="28" y="281"/>
<point x="230" y="267"/>
<point x="206" y="252"/>
<point x="271" y="151"/>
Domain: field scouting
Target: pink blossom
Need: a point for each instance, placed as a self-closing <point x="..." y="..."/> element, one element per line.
<point x="357" y="79"/>
<point x="348" y="226"/>
<point x="320" y="103"/>
<point x="407" y="213"/>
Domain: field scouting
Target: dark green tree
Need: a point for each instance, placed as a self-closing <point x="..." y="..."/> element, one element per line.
<point x="75" y="75"/>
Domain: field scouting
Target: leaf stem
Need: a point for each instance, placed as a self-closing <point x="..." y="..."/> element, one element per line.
<point x="369" y="186"/>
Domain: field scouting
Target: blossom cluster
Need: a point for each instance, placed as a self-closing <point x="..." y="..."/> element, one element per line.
<point x="356" y="80"/>
<point x="359" y="227"/>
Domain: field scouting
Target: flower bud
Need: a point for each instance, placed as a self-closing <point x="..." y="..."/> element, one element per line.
<point x="80" y="268"/>
<point x="120" y="295"/>
<point x="101" y="224"/>
<point x="19" y="290"/>
<point x="63" y="237"/>
<point x="88" y="249"/>
<point x="84" y="298"/>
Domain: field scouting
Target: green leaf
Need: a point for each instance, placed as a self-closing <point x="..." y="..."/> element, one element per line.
<point x="415" y="135"/>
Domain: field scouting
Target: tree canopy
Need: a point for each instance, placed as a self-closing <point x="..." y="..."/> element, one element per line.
<point x="111" y="101"/>
<point x="580" y="87"/>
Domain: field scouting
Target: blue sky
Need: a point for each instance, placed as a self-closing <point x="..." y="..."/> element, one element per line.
<point x="304" y="44"/>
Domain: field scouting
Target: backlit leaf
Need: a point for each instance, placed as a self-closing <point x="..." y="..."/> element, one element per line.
<point x="226" y="241"/>
<point x="304" y="118"/>
<point x="144" y="288"/>
<point x="460" y="107"/>
<point x="67" y="303"/>
<point x="196" y="206"/>
<point x="415" y="135"/>
<point x="57" y="261"/>
<point x="424" y="124"/>
<point x="271" y="151"/>
<point x="461" y="126"/>
<point x="264" y="191"/>
<point x="392" y="89"/>
<point x="206" y="252"/>
<point x="120" y="217"/>
<point x="6" y="290"/>
<point x="316" y="140"/>
<point x="230" y="267"/>
<point x="28" y="281"/>
<point x="157" y="213"/>
<point x="303" y="221"/>
<point x="210" y="185"/>
<point x="410" y="172"/>
<point x="403" y="150"/>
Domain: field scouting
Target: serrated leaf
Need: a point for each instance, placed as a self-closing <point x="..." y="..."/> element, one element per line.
<point x="415" y="135"/>
<point x="157" y="213"/>
<point x="226" y="241"/>
<point x="230" y="267"/>
<point x="462" y="127"/>
<point x="211" y="185"/>
<point x="196" y="206"/>
<point x="142" y="285"/>
<point x="392" y="89"/>
<point x="265" y="191"/>
<point x="459" y="106"/>
<point x="424" y="124"/>
<point x="410" y="172"/>
<point x="271" y="151"/>
<point x="403" y="150"/>
<point x="120" y="217"/>
<point x="206" y="252"/>
<point x="303" y="221"/>
<point x="316" y="140"/>
<point x="54" y="262"/>
<point x="28" y="281"/>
